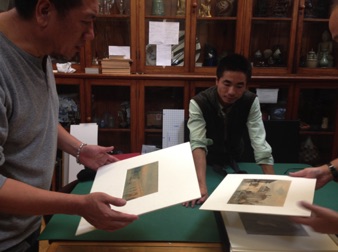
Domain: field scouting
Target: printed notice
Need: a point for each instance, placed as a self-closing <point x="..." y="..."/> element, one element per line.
<point x="163" y="33"/>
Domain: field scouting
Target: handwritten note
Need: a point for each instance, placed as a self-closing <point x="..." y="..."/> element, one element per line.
<point x="163" y="33"/>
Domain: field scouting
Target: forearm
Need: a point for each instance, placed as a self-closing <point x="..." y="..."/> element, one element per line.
<point x="199" y="156"/>
<point x="18" y="198"/>
<point x="326" y="172"/>
<point x="267" y="169"/>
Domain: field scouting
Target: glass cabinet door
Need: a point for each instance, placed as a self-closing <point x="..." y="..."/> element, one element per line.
<point x="218" y="26"/>
<point x="163" y="37"/>
<point x="111" y="104"/>
<point x="275" y="98"/>
<point x="318" y="53"/>
<point x="270" y="38"/>
<point x="156" y="95"/>
<point x="71" y="101"/>
<point x="113" y="27"/>
<point x="317" y="110"/>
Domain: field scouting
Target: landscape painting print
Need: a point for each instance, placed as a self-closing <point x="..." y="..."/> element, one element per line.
<point x="141" y="181"/>
<point x="263" y="192"/>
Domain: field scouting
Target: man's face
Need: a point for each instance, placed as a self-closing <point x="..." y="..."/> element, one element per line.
<point x="70" y="33"/>
<point x="230" y="87"/>
<point x="333" y="24"/>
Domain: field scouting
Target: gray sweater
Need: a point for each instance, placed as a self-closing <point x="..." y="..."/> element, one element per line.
<point x="28" y="130"/>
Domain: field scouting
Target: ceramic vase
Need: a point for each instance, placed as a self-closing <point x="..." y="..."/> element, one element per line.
<point x="157" y="8"/>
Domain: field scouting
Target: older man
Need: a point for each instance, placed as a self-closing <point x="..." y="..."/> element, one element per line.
<point x="29" y="129"/>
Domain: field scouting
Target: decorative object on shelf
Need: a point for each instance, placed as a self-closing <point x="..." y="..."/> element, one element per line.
<point x="277" y="56"/>
<point x="124" y="115"/>
<point x="258" y="59"/>
<point x="308" y="153"/>
<point x="309" y="10"/>
<point x="150" y="55"/>
<point x="269" y="58"/>
<point x="205" y="9"/>
<point x="210" y="56"/>
<point x="105" y="6"/>
<point x="325" y="123"/>
<point x="304" y="126"/>
<point x="180" y="8"/>
<point x="107" y="121"/>
<point x="68" y="110"/>
<point x="311" y="59"/>
<point x="277" y="113"/>
<point x="325" y="50"/>
<point x="221" y="56"/>
<point x="224" y="8"/>
<point x="120" y="6"/>
<point x="279" y="8"/>
<point x="157" y="8"/>
<point x="324" y="61"/>
<point x="177" y="52"/>
<point x="267" y="53"/>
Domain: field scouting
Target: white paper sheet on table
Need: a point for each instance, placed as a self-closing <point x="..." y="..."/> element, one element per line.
<point x="272" y="233"/>
<point x="177" y="181"/>
<point x="274" y="197"/>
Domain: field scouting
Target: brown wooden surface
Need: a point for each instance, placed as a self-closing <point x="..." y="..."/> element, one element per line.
<point x="133" y="247"/>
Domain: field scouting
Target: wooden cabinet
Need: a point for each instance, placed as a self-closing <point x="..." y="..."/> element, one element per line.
<point x="111" y="103"/>
<point x="280" y="38"/>
<point x="316" y="104"/>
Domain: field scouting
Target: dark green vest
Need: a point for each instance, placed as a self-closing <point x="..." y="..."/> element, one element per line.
<point x="222" y="151"/>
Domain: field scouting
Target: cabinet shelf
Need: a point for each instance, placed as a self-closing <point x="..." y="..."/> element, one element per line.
<point x="217" y="18"/>
<point x="317" y="20"/>
<point x="113" y="130"/>
<point x="153" y="130"/>
<point x="271" y="19"/>
<point x="165" y="17"/>
<point x="114" y="16"/>
<point x="319" y="132"/>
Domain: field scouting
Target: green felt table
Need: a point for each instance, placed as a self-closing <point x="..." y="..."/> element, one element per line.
<point x="172" y="224"/>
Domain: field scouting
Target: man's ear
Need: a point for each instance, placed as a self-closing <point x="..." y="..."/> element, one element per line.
<point x="42" y="12"/>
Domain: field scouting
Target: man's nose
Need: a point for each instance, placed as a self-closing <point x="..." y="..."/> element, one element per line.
<point x="89" y="35"/>
<point x="231" y="90"/>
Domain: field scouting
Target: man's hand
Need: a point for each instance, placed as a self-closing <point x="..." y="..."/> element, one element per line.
<point x="94" y="156"/>
<point x="322" y="219"/>
<point x="321" y="173"/>
<point x="97" y="211"/>
<point x="204" y="196"/>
